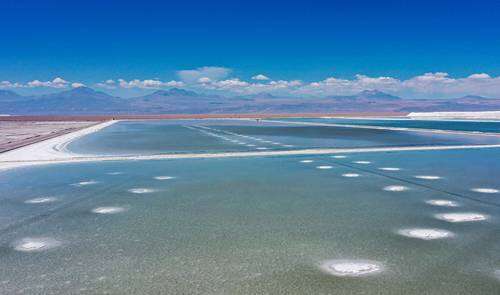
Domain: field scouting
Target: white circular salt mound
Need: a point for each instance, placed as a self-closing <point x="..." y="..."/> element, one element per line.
<point x="389" y="168"/>
<point x="428" y="177"/>
<point x="485" y="190"/>
<point x="35" y="244"/>
<point x="41" y="200"/>
<point x="339" y="157"/>
<point x="324" y="167"/>
<point x="426" y="233"/>
<point x="351" y="268"/>
<point x="461" y="217"/>
<point x="362" y="162"/>
<point x="108" y="210"/>
<point x="396" y="188"/>
<point x="141" y="190"/>
<point x="442" y="203"/>
<point x="114" y="173"/>
<point x="306" y="161"/>
<point x="350" y="175"/>
<point x="83" y="183"/>
<point x="163" y="177"/>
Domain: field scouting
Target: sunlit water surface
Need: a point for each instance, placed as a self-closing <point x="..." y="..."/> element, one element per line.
<point x="251" y="226"/>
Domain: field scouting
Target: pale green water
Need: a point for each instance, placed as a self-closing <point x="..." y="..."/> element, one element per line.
<point x="251" y="226"/>
<point x="187" y="136"/>
<point x="456" y="125"/>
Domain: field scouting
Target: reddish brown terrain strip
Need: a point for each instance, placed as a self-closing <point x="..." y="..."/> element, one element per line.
<point x="42" y="118"/>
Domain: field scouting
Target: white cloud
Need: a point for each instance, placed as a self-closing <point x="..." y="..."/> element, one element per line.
<point x="479" y="76"/>
<point x="77" y="85"/>
<point x="56" y="83"/>
<point x="136" y="83"/>
<point x="204" y="80"/>
<point x="8" y="84"/>
<point x="212" y="73"/>
<point x="214" y="79"/>
<point x="260" y="77"/>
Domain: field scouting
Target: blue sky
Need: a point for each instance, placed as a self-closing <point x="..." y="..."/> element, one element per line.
<point x="93" y="41"/>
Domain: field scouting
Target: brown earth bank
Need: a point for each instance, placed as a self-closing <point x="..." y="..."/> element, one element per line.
<point x="94" y="118"/>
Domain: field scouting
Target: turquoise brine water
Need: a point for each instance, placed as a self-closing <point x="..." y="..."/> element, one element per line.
<point x="192" y="136"/>
<point x="260" y="225"/>
<point x="252" y="226"/>
<point x="456" y="125"/>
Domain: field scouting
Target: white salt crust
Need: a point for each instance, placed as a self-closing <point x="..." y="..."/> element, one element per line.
<point x="396" y="188"/>
<point x="485" y="190"/>
<point x="350" y="175"/>
<point x="141" y="190"/>
<point x="461" y="217"/>
<point x="425" y="233"/>
<point x="41" y="200"/>
<point x="324" y="167"/>
<point x="442" y="203"/>
<point x="108" y="210"/>
<point x="35" y="244"/>
<point x="351" y="268"/>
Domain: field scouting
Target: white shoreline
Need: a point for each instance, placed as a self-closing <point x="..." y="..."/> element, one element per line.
<point x="74" y="158"/>
<point x="52" y="149"/>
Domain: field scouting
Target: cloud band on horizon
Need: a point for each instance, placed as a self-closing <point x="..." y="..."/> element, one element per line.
<point x="217" y="80"/>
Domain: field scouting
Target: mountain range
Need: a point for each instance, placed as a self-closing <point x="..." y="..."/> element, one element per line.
<point x="84" y="100"/>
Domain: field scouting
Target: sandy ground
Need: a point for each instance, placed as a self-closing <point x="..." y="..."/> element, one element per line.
<point x="14" y="134"/>
<point x="52" y="151"/>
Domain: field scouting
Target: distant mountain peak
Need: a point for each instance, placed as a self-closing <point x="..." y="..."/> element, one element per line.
<point x="83" y="89"/>
<point x="376" y="94"/>
<point x="262" y="95"/>
<point x="82" y="92"/>
<point x="473" y="97"/>
<point x="175" y="92"/>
